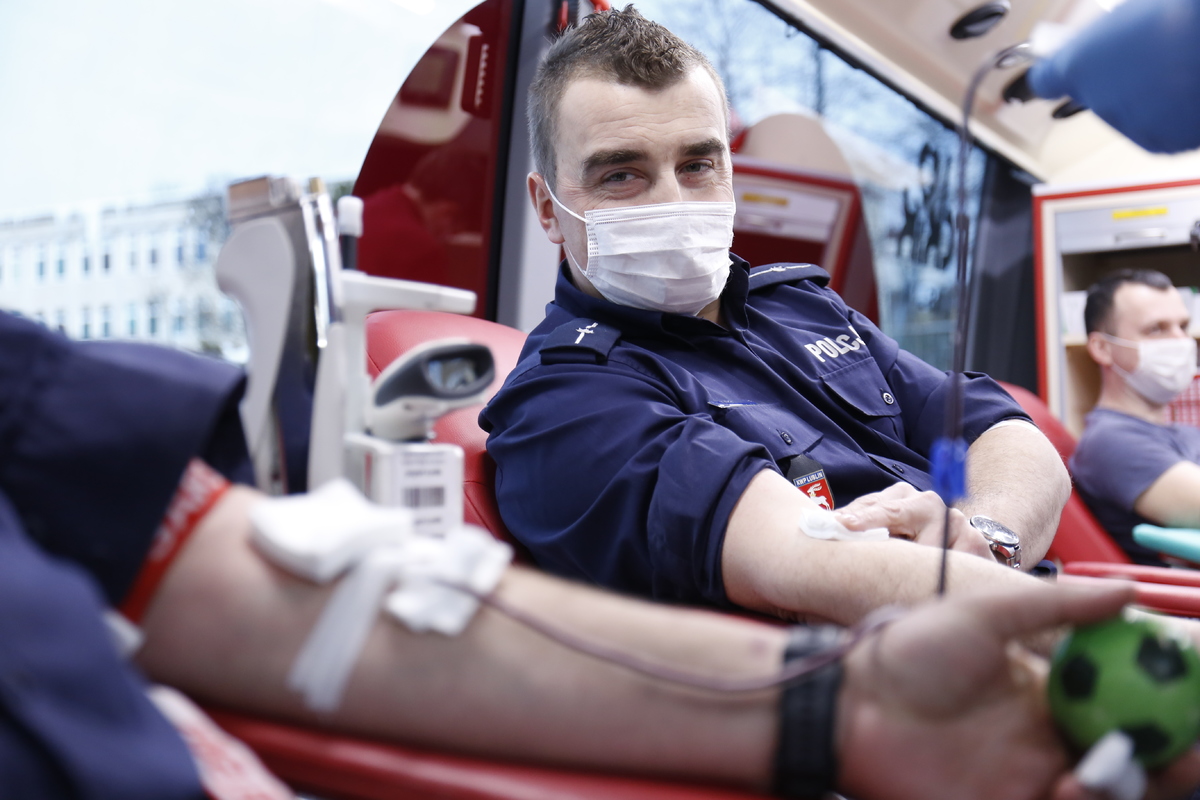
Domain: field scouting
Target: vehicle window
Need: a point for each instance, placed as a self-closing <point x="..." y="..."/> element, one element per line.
<point x="903" y="159"/>
<point x="429" y="179"/>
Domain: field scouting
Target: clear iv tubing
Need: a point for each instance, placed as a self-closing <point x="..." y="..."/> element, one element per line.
<point x="792" y="672"/>
<point x="1008" y="57"/>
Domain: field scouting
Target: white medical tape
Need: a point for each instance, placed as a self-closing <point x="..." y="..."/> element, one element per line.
<point x="125" y="636"/>
<point x="818" y="523"/>
<point x="335" y="530"/>
<point x="1109" y="767"/>
<point x="324" y="664"/>
<point x="320" y="534"/>
<point x="426" y="599"/>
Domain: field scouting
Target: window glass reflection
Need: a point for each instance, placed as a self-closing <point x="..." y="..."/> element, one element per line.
<point x="429" y="179"/>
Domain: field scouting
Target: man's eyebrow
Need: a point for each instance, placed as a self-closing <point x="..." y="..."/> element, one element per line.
<point x="603" y="159"/>
<point x="611" y="158"/>
<point x="704" y="148"/>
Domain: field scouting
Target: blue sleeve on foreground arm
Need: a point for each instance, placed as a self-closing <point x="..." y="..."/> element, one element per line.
<point x="95" y="436"/>
<point x="74" y="718"/>
<point x="1138" y="69"/>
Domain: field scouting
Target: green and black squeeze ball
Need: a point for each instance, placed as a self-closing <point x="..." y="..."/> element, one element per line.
<point x="1131" y="675"/>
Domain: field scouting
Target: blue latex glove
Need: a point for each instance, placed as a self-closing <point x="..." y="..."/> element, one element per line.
<point x="1138" y="69"/>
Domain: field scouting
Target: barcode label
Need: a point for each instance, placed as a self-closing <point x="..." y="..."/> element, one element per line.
<point x="422" y="496"/>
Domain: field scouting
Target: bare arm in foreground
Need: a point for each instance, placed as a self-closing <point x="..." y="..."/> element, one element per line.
<point x="226" y="627"/>
<point x="947" y="668"/>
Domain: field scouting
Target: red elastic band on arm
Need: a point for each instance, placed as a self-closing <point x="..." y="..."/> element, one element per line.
<point x="199" y="490"/>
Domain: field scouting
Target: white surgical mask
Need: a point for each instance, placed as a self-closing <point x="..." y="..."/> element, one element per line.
<point x="663" y="257"/>
<point x="1165" y="367"/>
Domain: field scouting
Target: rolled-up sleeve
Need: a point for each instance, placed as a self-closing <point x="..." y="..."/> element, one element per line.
<point x="603" y="475"/>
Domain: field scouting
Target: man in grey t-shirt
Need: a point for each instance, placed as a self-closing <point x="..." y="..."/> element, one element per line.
<point x="1131" y="465"/>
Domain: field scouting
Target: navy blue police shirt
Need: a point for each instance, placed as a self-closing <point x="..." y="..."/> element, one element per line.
<point x="94" y="438"/>
<point x="624" y="437"/>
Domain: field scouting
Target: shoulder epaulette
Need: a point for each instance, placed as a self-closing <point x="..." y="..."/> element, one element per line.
<point x="771" y="274"/>
<point x="580" y="341"/>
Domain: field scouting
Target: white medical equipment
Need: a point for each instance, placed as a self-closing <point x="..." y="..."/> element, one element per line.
<point x="395" y="461"/>
<point x="305" y="316"/>
<point x="409" y="550"/>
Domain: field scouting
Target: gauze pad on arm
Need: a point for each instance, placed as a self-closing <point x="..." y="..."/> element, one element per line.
<point x="429" y="583"/>
<point x="817" y="523"/>
<point x="319" y="534"/>
<point x="426" y="600"/>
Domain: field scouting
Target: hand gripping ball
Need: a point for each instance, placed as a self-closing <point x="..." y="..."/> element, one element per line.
<point x="1130" y="675"/>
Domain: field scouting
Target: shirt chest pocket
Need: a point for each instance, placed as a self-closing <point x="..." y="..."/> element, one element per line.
<point x="862" y="391"/>
<point x="768" y="424"/>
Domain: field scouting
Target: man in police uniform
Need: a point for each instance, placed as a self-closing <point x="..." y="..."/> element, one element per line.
<point x="644" y="438"/>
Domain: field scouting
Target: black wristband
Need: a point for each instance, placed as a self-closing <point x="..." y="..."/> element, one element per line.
<point x="806" y="761"/>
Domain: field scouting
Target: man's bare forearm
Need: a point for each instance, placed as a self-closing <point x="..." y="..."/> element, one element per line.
<point x="1174" y="497"/>
<point x="1015" y="476"/>
<point x="770" y="566"/>
<point x="226" y="627"/>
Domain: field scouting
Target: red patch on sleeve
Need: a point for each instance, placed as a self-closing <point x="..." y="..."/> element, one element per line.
<point x="199" y="490"/>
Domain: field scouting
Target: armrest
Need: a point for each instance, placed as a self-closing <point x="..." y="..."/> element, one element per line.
<point x="1174" y="599"/>
<point x="341" y="767"/>
<point x="1134" y="572"/>
<point x="1179" y="542"/>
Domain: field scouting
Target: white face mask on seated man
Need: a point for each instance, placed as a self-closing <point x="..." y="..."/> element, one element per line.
<point x="671" y="257"/>
<point x="1165" y="367"/>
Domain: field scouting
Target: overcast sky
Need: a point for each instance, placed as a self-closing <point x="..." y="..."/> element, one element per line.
<point x="128" y="98"/>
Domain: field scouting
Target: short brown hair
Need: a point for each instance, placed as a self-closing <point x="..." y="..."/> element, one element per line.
<point x="622" y="46"/>
<point x="1097" y="313"/>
